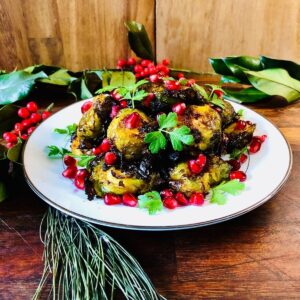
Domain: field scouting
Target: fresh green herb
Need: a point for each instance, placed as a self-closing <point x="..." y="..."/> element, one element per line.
<point x="219" y="192"/>
<point x="83" y="160"/>
<point x="167" y="125"/>
<point x="217" y="101"/>
<point x="56" y="152"/>
<point x="69" y="130"/>
<point x="236" y="153"/>
<point x="201" y="90"/>
<point x="241" y="112"/>
<point x="151" y="201"/>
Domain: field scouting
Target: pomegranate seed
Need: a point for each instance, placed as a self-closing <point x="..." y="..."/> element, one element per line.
<point x="26" y="123"/>
<point x="129" y="200"/>
<point x="23" y="113"/>
<point x="123" y="103"/>
<point x="110" y="199"/>
<point x="30" y="130"/>
<point x="179" y="108"/>
<point x="235" y="164"/>
<point x="194" y="167"/>
<point x="46" y="114"/>
<point x="191" y="81"/>
<point x="82" y="173"/>
<point x="121" y="63"/>
<point x="24" y="136"/>
<point x="69" y="161"/>
<point x="196" y="199"/>
<point x="132" y="121"/>
<point x="10" y="145"/>
<point x="70" y="172"/>
<point x="10" y="137"/>
<point x="97" y="150"/>
<point x="19" y="127"/>
<point x="116" y="95"/>
<point x="243" y="158"/>
<point x="148" y="99"/>
<point x="180" y="75"/>
<point x="35" y="117"/>
<point x="240" y="125"/>
<point x="240" y="175"/>
<point x="105" y="145"/>
<point x="172" y="85"/>
<point x="114" y="111"/>
<point x="166" y="193"/>
<point x="32" y="106"/>
<point x="255" y="146"/>
<point x="131" y="61"/>
<point x="86" y="106"/>
<point x="79" y="183"/>
<point x="138" y="68"/>
<point x="218" y="93"/>
<point x="145" y="62"/>
<point x="170" y="203"/>
<point x="261" y="138"/>
<point x="182" y="199"/>
<point x="110" y="158"/>
<point x="201" y="160"/>
<point x="154" y="78"/>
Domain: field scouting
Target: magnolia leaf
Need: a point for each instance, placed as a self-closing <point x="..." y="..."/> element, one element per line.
<point x="8" y="117"/>
<point x="230" y="79"/>
<point x="13" y="153"/>
<point x="123" y="78"/>
<point x="60" y="77"/>
<point x="85" y="93"/>
<point x="17" y="85"/>
<point x="248" y="95"/>
<point x="44" y="68"/>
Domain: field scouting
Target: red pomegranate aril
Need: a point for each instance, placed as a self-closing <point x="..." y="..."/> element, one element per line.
<point x="138" y="69"/>
<point x="165" y="62"/>
<point x="35" y="117"/>
<point x="79" y="182"/>
<point x="24" y="136"/>
<point x="114" y="111"/>
<point x="172" y="85"/>
<point x="239" y="175"/>
<point x="149" y="99"/>
<point x="82" y="173"/>
<point x="123" y="103"/>
<point x="145" y="62"/>
<point x="5" y="134"/>
<point x="10" y="137"/>
<point x="10" y="145"/>
<point x="154" y="78"/>
<point x="110" y="199"/>
<point x="26" y="123"/>
<point x="97" y="150"/>
<point x="110" y="158"/>
<point x="69" y="161"/>
<point x="180" y="75"/>
<point x="170" y="203"/>
<point x="166" y="193"/>
<point x="240" y="125"/>
<point x="132" y="121"/>
<point x="219" y="93"/>
<point x="32" y="106"/>
<point x="30" y="130"/>
<point x="261" y="138"/>
<point x="105" y="145"/>
<point x="121" y="63"/>
<point x="196" y="199"/>
<point x="191" y="81"/>
<point x="179" y="108"/>
<point x="181" y="199"/>
<point x="201" y="160"/>
<point x="116" y="95"/>
<point x="70" y="172"/>
<point x="194" y="167"/>
<point x="235" y="164"/>
<point x="129" y="200"/>
<point x="254" y="146"/>
<point x="19" y="127"/>
<point x="86" y="106"/>
<point x="243" y="158"/>
<point x="131" y="61"/>
<point x="46" y="114"/>
<point x="23" y="113"/>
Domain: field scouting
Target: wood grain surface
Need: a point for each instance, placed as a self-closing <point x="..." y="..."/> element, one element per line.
<point x="255" y="256"/>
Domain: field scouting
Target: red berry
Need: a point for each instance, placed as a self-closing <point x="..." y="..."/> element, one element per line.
<point x="32" y="106"/>
<point x="114" y="111"/>
<point x="86" y="106"/>
<point x="69" y="161"/>
<point x="172" y="85"/>
<point x="46" y="114"/>
<point x="24" y="136"/>
<point x="30" y="130"/>
<point x="110" y="199"/>
<point x="261" y="138"/>
<point x="26" y="123"/>
<point x="240" y="175"/>
<point x="196" y="199"/>
<point x="10" y="137"/>
<point x="235" y="164"/>
<point x="143" y="74"/>
<point x="191" y="81"/>
<point x="123" y="103"/>
<point x="180" y="75"/>
<point x="152" y="70"/>
<point x="35" y="117"/>
<point x="181" y="199"/>
<point x="194" y="167"/>
<point x="179" y="108"/>
<point x="96" y="150"/>
<point x="164" y="70"/>
<point x="219" y="93"/>
<point x="129" y="200"/>
<point x="138" y="69"/>
<point x="170" y="203"/>
<point x="70" y="172"/>
<point x="121" y="63"/>
<point x="82" y="173"/>
<point x="110" y="158"/>
<point x="116" y="95"/>
<point x="131" y="61"/>
<point x="148" y="99"/>
<point x="23" y="113"/>
<point x="138" y="75"/>
<point x="10" y="145"/>
<point x="240" y="125"/>
<point x="166" y="193"/>
<point x="145" y="62"/>
<point x="154" y="78"/>
<point x="254" y="146"/>
<point x="105" y="145"/>
<point x="146" y="71"/>
<point x="201" y="160"/>
<point x="165" y="62"/>
<point x="5" y="134"/>
<point x="19" y="127"/>
<point x="243" y="158"/>
<point x="79" y="182"/>
<point x="132" y="121"/>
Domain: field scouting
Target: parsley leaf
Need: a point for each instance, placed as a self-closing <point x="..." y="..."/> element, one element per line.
<point x="156" y="140"/>
<point x="201" y="90"/>
<point x="54" y="151"/>
<point x="151" y="201"/>
<point x="241" y="112"/>
<point x="83" y="160"/>
<point x="69" y="130"/>
<point x="217" y="101"/>
<point x="181" y="136"/>
<point x="236" y="153"/>
<point x="165" y="121"/>
<point x="219" y="192"/>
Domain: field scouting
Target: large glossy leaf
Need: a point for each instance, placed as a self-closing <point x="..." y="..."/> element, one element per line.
<point x="13" y="153"/>
<point x="275" y="82"/>
<point x="292" y="68"/>
<point x="60" y="77"/>
<point x="219" y="66"/>
<point x="85" y="93"/>
<point x="44" y="68"/>
<point x="17" y="85"/>
<point x="122" y="79"/>
<point x="230" y="79"/>
<point x="8" y="116"/>
<point x="248" y="62"/>
<point x="139" y="40"/>
<point x="248" y="95"/>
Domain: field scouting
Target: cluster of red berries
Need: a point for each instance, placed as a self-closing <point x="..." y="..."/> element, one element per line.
<point x="30" y="119"/>
<point x="127" y="199"/>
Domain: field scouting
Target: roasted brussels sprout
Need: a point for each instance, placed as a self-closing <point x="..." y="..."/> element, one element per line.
<point x="129" y="141"/>
<point x="227" y="114"/>
<point x="182" y="180"/>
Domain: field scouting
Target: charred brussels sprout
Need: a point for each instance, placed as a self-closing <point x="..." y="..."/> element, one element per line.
<point x="228" y="114"/>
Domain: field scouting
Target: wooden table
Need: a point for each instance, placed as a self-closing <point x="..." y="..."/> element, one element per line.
<point x="256" y="256"/>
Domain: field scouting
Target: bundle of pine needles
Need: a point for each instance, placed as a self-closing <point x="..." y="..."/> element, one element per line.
<point x="86" y="263"/>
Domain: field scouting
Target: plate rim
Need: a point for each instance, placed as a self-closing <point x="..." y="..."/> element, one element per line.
<point x="167" y="227"/>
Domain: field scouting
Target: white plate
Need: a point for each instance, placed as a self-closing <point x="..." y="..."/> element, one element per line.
<point x="268" y="170"/>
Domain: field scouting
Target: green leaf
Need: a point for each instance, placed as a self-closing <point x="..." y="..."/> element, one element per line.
<point x="60" y="77"/>
<point x="106" y="76"/>
<point x="201" y="90"/>
<point x="156" y="140"/>
<point x="229" y="79"/>
<point x="241" y="112"/>
<point x="248" y="95"/>
<point x="248" y="62"/>
<point x="167" y="121"/>
<point x="83" y="160"/>
<point x="219" y="66"/>
<point x="123" y="78"/>
<point x="218" y="197"/>
<point x="13" y="153"/>
<point x="69" y="130"/>
<point x="3" y="191"/>
<point x="8" y="117"/>
<point x="151" y="201"/>
<point x="16" y="85"/>
<point x="275" y="82"/>
<point x="236" y="153"/>
<point x="56" y="152"/>
<point x="139" y="40"/>
<point x="139" y="95"/>
<point x="85" y="93"/>
<point x="217" y="101"/>
<point x="181" y="136"/>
